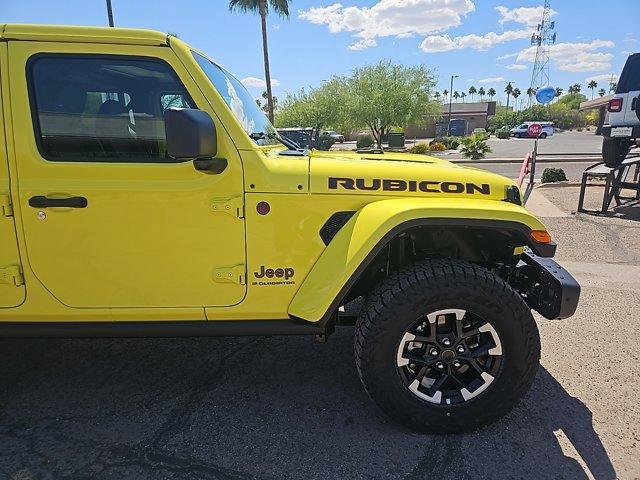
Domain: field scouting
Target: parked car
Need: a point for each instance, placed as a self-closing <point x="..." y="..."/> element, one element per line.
<point x="622" y="128"/>
<point x="337" y="137"/>
<point x="521" y="131"/>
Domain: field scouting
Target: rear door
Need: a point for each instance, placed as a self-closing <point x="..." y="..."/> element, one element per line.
<point x="12" y="290"/>
<point x="109" y="219"/>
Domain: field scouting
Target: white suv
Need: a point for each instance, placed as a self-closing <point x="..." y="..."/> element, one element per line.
<point x="622" y="129"/>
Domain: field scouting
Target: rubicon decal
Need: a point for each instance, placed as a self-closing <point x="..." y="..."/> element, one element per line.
<point x="395" y="185"/>
<point x="274" y="276"/>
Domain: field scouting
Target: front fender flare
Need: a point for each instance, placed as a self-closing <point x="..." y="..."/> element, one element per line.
<point x="370" y="229"/>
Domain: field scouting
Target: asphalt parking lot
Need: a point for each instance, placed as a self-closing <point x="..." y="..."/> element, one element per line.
<point x="284" y="407"/>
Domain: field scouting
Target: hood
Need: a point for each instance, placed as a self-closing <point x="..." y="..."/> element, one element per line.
<point x="401" y="174"/>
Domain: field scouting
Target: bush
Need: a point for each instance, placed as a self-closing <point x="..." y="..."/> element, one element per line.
<point x="364" y="141"/>
<point x="503" y="133"/>
<point x="550" y="175"/>
<point x="475" y="146"/>
<point x="450" y="142"/>
<point x="420" y="148"/>
<point x="437" y="147"/>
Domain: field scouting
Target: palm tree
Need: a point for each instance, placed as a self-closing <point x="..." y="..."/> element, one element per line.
<point x="492" y="93"/>
<point x="516" y="93"/>
<point x="558" y="91"/>
<point x="481" y="92"/>
<point x="437" y="95"/>
<point x="613" y="86"/>
<point x="445" y="92"/>
<point x="281" y="7"/>
<point x="508" y="90"/>
<point x="530" y="93"/>
<point x="462" y="95"/>
<point x="575" y="88"/>
<point x="472" y="91"/>
<point x="592" y="85"/>
<point x="456" y="95"/>
<point x="602" y="92"/>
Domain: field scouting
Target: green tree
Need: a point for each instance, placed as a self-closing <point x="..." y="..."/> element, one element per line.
<point x="386" y="95"/>
<point x="558" y="91"/>
<point x="530" y="93"/>
<point x="482" y="93"/>
<point x="602" y="92"/>
<point x="462" y="95"/>
<point x="445" y="92"/>
<point x="437" y="95"/>
<point x="456" y="95"/>
<point x="492" y="93"/>
<point x="281" y="7"/>
<point x="612" y="86"/>
<point x="592" y="85"/>
<point x="472" y="91"/>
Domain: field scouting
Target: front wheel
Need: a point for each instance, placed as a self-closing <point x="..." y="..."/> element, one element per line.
<point x="543" y="135"/>
<point x="446" y="346"/>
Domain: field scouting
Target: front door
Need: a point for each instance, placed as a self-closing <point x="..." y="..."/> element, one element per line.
<point x="109" y="219"/>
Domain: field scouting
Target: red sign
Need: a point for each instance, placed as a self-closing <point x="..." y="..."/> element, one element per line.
<point x="534" y="130"/>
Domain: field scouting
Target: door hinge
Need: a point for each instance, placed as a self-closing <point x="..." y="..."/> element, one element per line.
<point x="12" y="275"/>
<point x="232" y="206"/>
<point x="5" y="204"/>
<point x="235" y="274"/>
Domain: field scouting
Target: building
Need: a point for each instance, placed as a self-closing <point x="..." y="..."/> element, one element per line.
<point x="475" y="115"/>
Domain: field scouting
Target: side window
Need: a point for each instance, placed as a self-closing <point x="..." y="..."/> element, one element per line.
<point x="103" y="108"/>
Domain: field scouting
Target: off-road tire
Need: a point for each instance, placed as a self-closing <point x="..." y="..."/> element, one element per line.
<point x="430" y="286"/>
<point x="614" y="151"/>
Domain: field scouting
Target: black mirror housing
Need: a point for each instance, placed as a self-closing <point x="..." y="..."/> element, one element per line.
<point x="190" y="133"/>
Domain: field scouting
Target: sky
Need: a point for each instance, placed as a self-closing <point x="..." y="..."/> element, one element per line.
<point x="485" y="42"/>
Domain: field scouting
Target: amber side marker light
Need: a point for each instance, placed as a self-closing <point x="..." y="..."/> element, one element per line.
<point x="540" y="236"/>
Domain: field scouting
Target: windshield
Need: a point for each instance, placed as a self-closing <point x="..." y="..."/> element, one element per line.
<point x="243" y="106"/>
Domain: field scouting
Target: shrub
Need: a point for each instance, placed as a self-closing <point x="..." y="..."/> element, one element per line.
<point x="503" y="133"/>
<point x="475" y="146"/>
<point x="364" y="141"/>
<point x="550" y="175"/>
<point x="421" y="148"/>
<point x="437" y="147"/>
<point x="450" y="142"/>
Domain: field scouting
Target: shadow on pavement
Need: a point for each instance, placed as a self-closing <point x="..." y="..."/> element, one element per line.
<point x="254" y="408"/>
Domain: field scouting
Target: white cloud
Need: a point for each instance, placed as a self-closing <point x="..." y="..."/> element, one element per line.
<point x="491" y="80"/>
<point x="529" y="16"/>
<point x="602" y="79"/>
<point x="363" y="44"/>
<point x="255" y="82"/>
<point x="574" y="57"/>
<point x="508" y="55"/>
<point x="395" y="18"/>
<point x="630" y="40"/>
<point x="516" y="66"/>
<point x="444" y="43"/>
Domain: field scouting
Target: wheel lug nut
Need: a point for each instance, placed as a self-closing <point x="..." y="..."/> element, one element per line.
<point x="439" y="365"/>
<point x="456" y="364"/>
<point x="446" y="342"/>
<point x="460" y="349"/>
<point x="433" y="352"/>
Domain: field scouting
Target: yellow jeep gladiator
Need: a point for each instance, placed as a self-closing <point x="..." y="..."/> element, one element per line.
<point x="143" y="193"/>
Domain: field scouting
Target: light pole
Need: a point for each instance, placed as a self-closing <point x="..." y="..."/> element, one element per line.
<point x="110" y="13"/>
<point x="450" y="98"/>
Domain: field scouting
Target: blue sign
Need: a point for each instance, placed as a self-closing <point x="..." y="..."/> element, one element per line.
<point x="545" y="94"/>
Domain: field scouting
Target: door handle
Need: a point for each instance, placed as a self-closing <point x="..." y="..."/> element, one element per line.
<point x="210" y="165"/>
<point x="41" y="201"/>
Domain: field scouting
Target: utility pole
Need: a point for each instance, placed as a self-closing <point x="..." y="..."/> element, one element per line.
<point x="450" y="98"/>
<point x="110" y="13"/>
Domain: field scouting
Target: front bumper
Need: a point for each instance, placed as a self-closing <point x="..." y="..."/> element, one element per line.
<point x="546" y="286"/>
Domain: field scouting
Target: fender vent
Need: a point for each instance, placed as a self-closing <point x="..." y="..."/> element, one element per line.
<point x="333" y="225"/>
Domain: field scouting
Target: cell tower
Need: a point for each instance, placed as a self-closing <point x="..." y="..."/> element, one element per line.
<point x="542" y="38"/>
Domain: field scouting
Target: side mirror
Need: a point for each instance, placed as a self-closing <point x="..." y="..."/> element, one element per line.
<point x="190" y="133"/>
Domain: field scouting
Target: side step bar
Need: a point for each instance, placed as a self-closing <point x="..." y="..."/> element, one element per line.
<point x="159" y="329"/>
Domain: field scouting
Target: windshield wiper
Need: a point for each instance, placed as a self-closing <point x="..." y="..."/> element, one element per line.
<point x="283" y="140"/>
